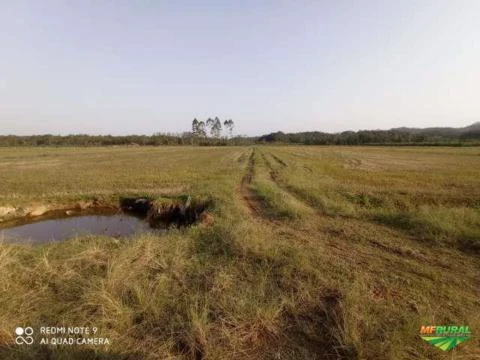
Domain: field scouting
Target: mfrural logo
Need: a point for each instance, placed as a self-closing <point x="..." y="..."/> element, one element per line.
<point x="445" y="337"/>
<point x="24" y="335"/>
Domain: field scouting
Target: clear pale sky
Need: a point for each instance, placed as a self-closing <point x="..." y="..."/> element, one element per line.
<point x="123" y="67"/>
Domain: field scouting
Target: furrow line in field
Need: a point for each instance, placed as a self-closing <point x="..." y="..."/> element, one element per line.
<point x="252" y="201"/>
<point x="247" y="194"/>
<point x="274" y="177"/>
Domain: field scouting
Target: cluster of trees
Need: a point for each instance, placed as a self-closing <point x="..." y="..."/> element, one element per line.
<point x="344" y="138"/>
<point x="200" y="129"/>
<point x="91" y="140"/>
<point x="446" y="136"/>
<point x="186" y="138"/>
<point x="205" y="133"/>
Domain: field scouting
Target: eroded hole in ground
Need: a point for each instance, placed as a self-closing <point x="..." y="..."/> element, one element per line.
<point x="165" y="213"/>
<point x="133" y="216"/>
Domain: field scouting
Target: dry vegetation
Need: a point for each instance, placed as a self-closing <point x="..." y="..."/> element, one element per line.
<point x="315" y="253"/>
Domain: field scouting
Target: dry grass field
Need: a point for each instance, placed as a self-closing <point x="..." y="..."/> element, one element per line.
<point x="314" y="253"/>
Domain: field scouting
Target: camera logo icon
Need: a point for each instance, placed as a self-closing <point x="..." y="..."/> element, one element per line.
<point x="24" y="335"/>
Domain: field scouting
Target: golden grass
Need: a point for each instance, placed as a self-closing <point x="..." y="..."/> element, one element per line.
<point x="340" y="261"/>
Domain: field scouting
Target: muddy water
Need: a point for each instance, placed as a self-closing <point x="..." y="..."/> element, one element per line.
<point x="116" y="225"/>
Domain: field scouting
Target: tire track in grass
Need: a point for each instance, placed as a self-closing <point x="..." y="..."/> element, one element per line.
<point x="278" y="160"/>
<point x="324" y="315"/>
<point x="249" y="197"/>
<point x="346" y="232"/>
<point x="299" y="197"/>
<point x="274" y="177"/>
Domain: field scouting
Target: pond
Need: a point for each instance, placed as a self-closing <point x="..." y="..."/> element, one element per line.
<point x="48" y="230"/>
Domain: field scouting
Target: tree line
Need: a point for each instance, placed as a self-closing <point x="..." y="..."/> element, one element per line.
<point x="205" y="133"/>
<point x="400" y="136"/>
<point x="185" y="138"/>
<point x="209" y="133"/>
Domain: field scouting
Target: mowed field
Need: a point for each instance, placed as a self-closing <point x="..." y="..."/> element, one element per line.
<point x="314" y="253"/>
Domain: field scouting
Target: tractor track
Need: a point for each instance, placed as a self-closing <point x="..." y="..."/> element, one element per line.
<point x="275" y="178"/>
<point x="251" y="200"/>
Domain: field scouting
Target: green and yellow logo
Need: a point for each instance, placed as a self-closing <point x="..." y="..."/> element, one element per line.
<point x="445" y="337"/>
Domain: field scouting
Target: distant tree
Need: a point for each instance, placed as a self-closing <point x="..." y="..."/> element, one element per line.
<point x="229" y="125"/>
<point x="216" y="128"/>
<point x="209" y="125"/>
<point x="202" y="131"/>
<point x="195" y="127"/>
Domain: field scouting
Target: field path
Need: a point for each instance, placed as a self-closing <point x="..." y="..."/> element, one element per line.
<point x="251" y="200"/>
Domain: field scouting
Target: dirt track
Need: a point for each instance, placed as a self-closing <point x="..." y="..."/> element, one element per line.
<point x="251" y="200"/>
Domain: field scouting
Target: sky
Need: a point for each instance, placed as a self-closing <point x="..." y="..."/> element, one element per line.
<point x="140" y="67"/>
